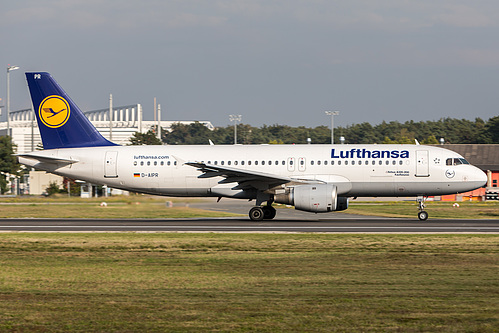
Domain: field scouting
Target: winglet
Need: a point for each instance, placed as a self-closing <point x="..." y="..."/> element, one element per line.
<point x="60" y="121"/>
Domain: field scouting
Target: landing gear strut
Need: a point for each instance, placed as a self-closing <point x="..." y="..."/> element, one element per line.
<point x="260" y="213"/>
<point x="422" y="215"/>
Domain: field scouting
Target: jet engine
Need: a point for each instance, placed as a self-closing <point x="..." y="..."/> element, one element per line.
<point x="317" y="198"/>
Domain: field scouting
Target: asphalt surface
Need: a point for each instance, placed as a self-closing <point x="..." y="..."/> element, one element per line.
<point x="340" y="225"/>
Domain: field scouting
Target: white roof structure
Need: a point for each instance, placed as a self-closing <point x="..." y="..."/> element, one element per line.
<point x="126" y="120"/>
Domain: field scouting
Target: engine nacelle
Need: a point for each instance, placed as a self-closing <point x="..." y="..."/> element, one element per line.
<point x="319" y="198"/>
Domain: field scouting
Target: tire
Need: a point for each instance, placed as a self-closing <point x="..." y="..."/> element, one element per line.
<point x="256" y="214"/>
<point x="269" y="212"/>
<point x="422" y="215"/>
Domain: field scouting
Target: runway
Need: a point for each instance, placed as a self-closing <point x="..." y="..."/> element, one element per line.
<point x="340" y="225"/>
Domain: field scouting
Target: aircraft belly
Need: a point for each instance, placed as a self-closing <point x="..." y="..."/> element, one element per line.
<point x="403" y="189"/>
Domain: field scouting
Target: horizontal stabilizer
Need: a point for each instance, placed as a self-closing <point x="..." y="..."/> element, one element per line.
<point x="47" y="159"/>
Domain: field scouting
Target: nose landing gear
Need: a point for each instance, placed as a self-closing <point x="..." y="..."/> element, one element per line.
<point x="422" y="215"/>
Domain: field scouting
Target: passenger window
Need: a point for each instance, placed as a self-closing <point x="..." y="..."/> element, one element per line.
<point x="242" y="162"/>
<point x="134" y="162"/>
<point x="276" y="162"/>
<point x="155" y="163"/>
<point x="387" y="162"/>
<point x="380" y="162"/>
<point x="374" y="162"/>
<point x="263" y="162"/>
<point x="168" y="163"/>
<point x="346" y="162"/>
<point x="228" y="162"/>
<point x="311" y="162"/>
<point x="175" y="163"/>
<point x="325" y="162"/>
<point x="162" y="163"/>
<point x="256" y="162"/>
<point x="222" y="162"/>
<point x="353" y="162"/>
<point x="332" y="162"/>
<point x="394" y="162"/>
<point x="141" y="163"/>
<point x="339" y="162"/>
<point x="249" y="162"/>
<point x="148" y="163"/>
<point x="401" y="162"/>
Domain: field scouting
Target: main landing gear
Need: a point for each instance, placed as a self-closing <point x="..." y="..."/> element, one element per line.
<point x="422" y="215"/>
<point x="259" y="213"/>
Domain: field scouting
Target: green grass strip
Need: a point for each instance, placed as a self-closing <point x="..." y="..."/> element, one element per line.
<point x="185" y="282"/>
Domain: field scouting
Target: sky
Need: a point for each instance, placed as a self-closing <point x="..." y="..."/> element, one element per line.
<point x="271" y="61"/>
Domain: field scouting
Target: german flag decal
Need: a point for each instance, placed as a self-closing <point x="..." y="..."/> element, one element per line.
<point x="136" y="174"/>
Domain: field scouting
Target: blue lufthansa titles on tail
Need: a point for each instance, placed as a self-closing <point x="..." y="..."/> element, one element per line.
<point x="60" y="121"/>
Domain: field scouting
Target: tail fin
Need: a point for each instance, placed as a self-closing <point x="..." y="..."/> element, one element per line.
<point x="60" y="121"/>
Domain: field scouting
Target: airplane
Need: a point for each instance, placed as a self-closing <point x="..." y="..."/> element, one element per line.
<point x="313" y="178"/>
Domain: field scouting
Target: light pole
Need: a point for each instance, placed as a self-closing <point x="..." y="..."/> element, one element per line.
<point x="235" y="118"/>
<point x="110" y="117"/>
<point x="9" y="68"/>
<point x="332" y="114"/>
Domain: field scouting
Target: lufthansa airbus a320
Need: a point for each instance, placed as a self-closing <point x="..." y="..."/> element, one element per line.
<point x="312" y="178"/>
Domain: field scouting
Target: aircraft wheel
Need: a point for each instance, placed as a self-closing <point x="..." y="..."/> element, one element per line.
<point x="256" y="214"/>
<point x="422" y="215"/>
<point x="269" y="212"/>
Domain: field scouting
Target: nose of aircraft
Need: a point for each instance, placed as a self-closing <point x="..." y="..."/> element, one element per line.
<point x="479" y="177"/>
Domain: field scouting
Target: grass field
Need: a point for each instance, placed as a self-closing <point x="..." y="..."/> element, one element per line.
<point x="435" y="209"/>
<point x="116" y="207"/>
<point x="129" y="282"/>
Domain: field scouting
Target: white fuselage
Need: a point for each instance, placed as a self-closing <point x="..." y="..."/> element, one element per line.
<point x="356" y="170"/>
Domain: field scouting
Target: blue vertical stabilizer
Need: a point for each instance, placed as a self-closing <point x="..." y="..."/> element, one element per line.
<point x="60" y="121"/>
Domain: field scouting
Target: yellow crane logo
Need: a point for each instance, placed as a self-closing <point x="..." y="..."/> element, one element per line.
<point x="54" y="111"/>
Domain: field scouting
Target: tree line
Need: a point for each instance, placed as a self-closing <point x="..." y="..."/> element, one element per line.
<point x="456" y="131"/>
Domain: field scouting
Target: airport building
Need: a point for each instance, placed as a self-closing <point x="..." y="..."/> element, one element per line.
<point x="125" y="121"/>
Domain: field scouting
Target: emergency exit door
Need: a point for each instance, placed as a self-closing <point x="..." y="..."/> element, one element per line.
<point x="422" y="163"/>
<point x="111" y="166"/>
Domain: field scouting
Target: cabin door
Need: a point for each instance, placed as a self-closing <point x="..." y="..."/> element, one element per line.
<point x="111" y="165"/>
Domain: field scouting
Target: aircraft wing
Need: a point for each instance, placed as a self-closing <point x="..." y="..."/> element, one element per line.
<point x="246" y="179"/>
<point x="47" y="159"/>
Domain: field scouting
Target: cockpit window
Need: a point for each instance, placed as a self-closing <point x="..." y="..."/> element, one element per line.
<point x="456" y="161"/>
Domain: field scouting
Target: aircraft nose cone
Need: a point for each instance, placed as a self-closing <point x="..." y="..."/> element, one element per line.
<point x="481" y="177"/>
